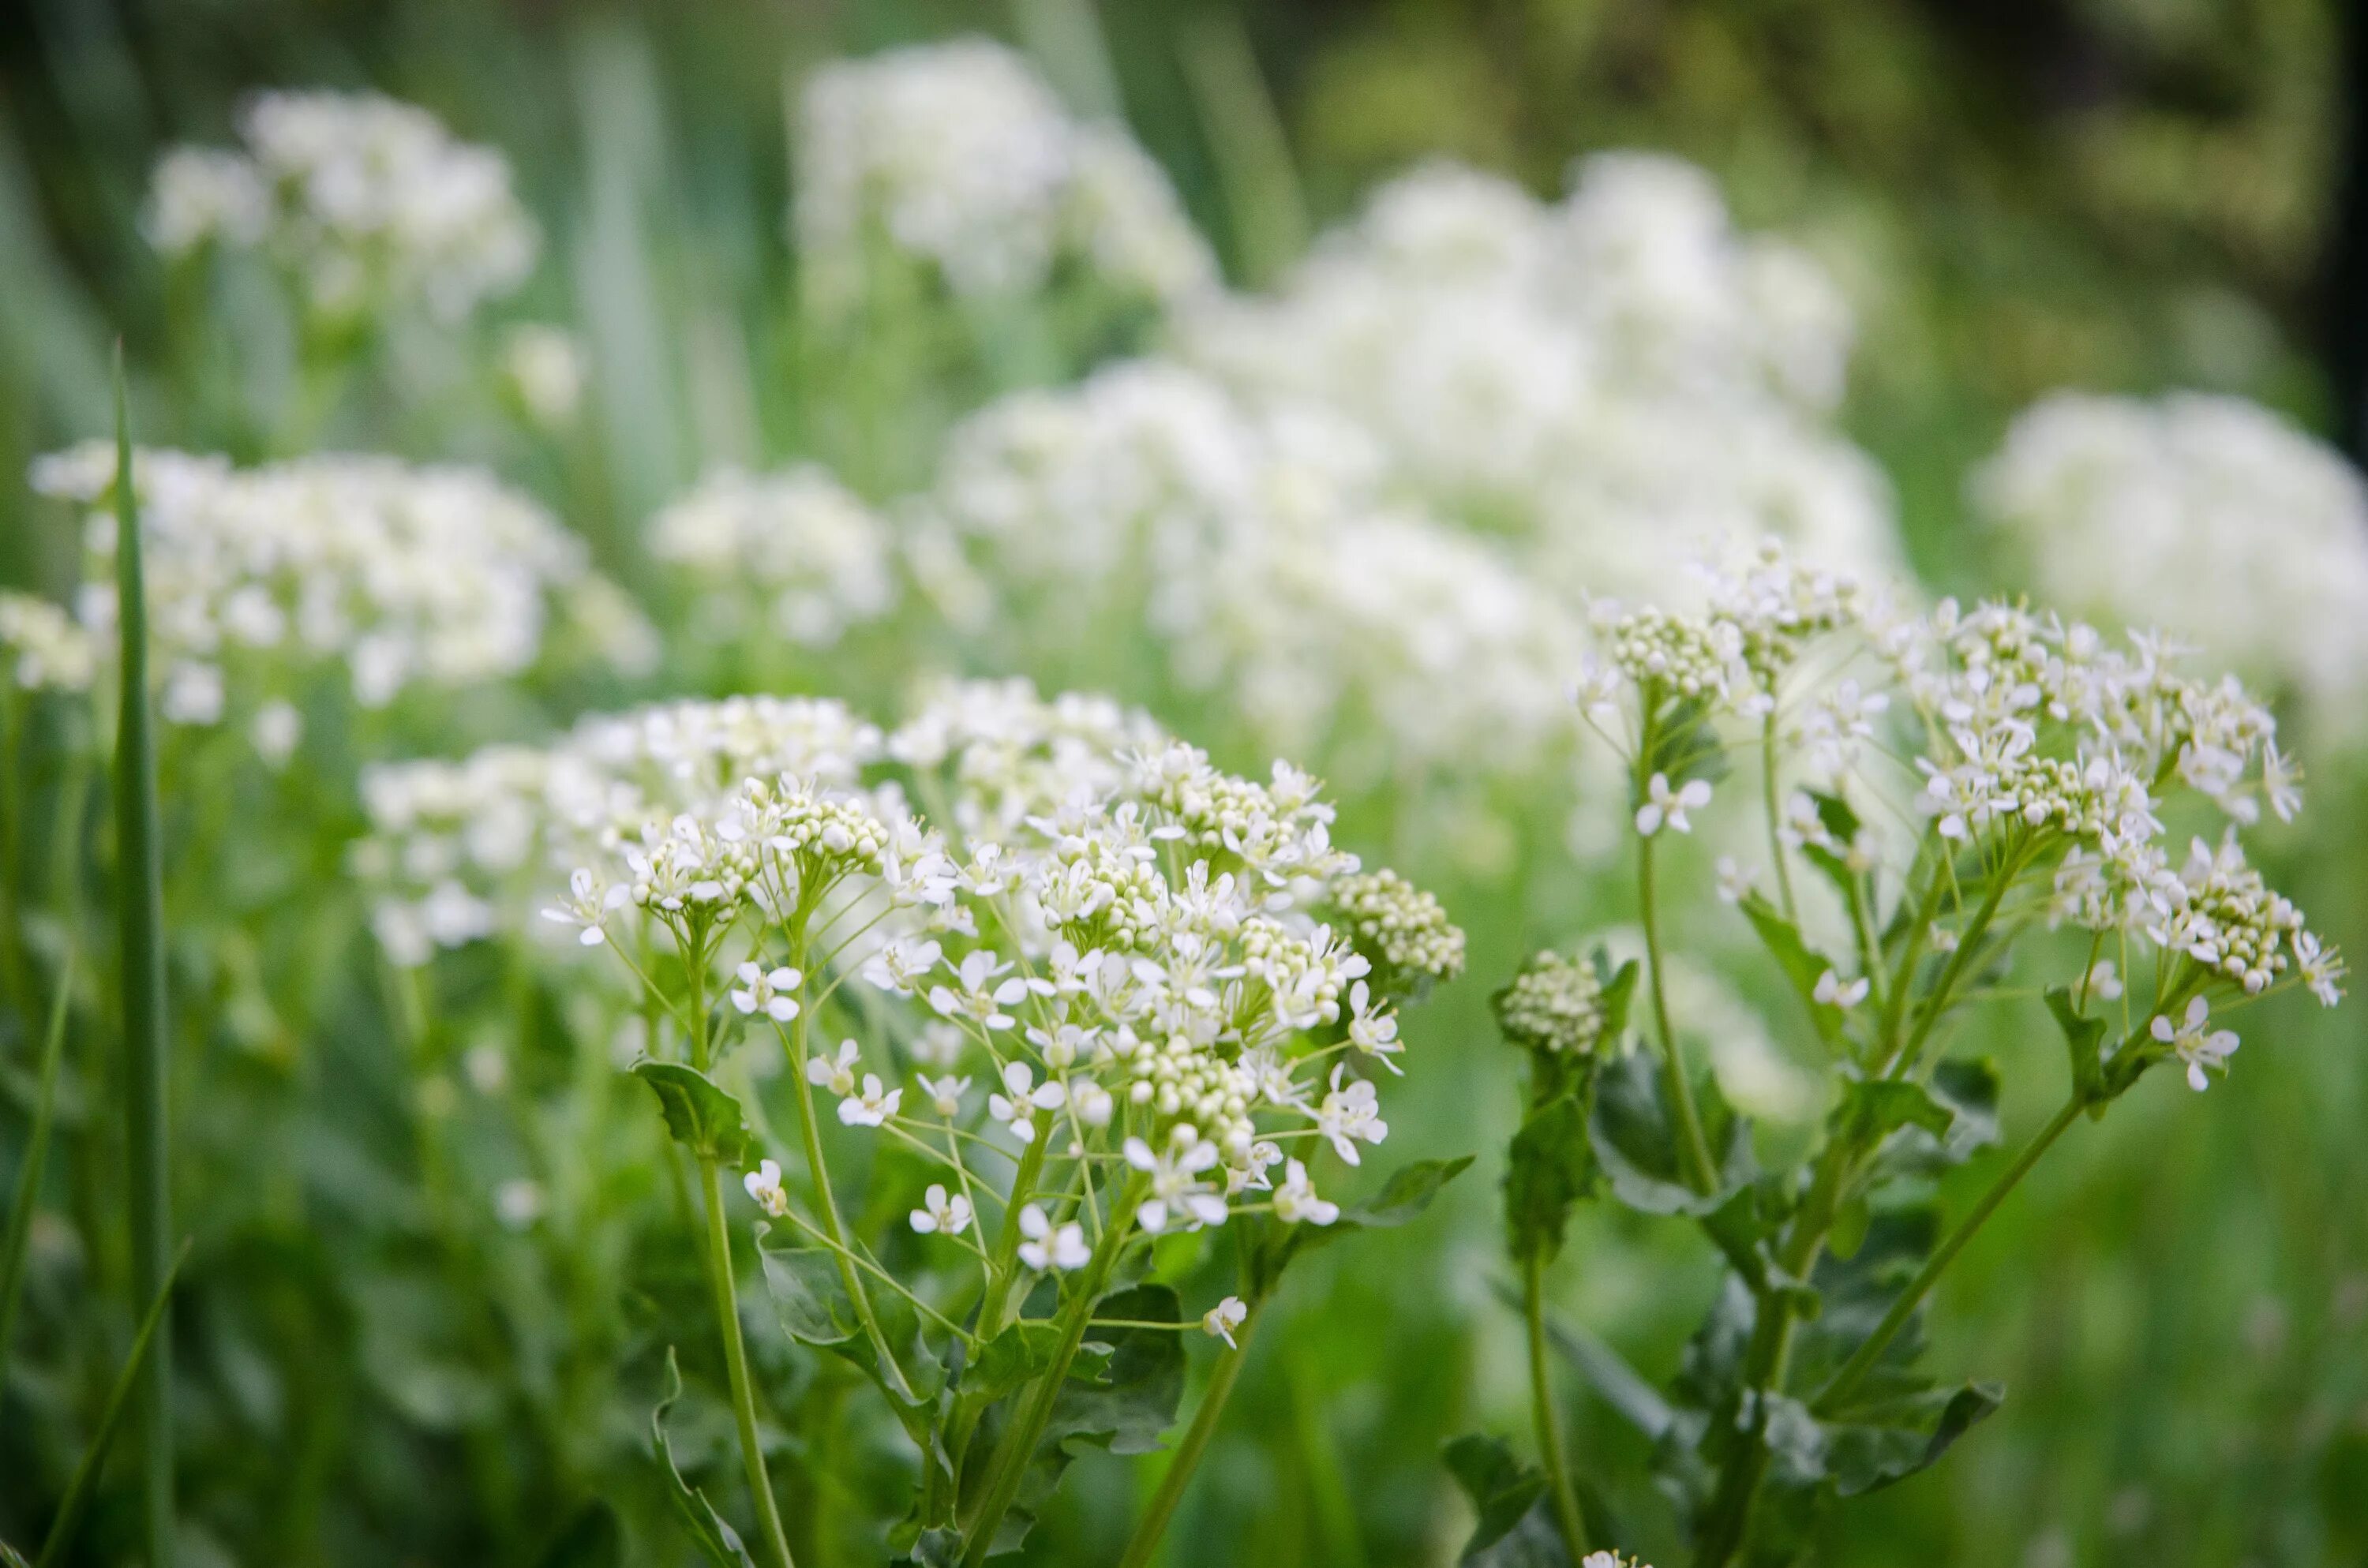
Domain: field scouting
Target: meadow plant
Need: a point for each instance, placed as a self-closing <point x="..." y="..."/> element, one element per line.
<point x="1945" y="786"/>
<point x="363" y="203"/>
<point x="2209" y="514"/>
<point x="1615" y="381"/>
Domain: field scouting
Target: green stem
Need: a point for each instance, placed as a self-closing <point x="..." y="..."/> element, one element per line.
<point x="1969" y="939"/>
<point x="1543" y="1414"/>
<point x="810" y="1135"/>
<point x="37" y="1154"/>
<point x="1702" y="1172"/>
<point x="1150" y="1529"/>
<point x="1011" y="1459"/>
<point x="1775" y="819"/>
<point x="720" y="1282"/>
<point x="140" y="904"/>
<point x="1857" y="1367"/>
<point x="736" y="1362"/>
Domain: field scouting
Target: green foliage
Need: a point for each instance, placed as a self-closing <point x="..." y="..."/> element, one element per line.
<point x="717" y="1542"/>
<point x="702" y="1118"/>
<point x="1633" y="1130"/>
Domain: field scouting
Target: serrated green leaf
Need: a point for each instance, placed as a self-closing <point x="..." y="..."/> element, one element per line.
<point x="716" y="1540"/>
<point x="1635" y="1139"/>
<point x="1019" y="1353"/>
<point x="1967" y="1089"/>
<point x="1512" y="1531"/>
<point x="1619" y="993"/>
<point x="702" y="1118"/>
<point x="1873" y="1108"/>
<point x="1550" y="1166"/>
<point x="2083" y="1037"/>
<point x="1802" y="964"/>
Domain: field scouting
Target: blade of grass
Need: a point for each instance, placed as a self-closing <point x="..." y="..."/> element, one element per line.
<point x="28" y="1178"/>
<point x="140" y="904"/>
<point x="1267" y="212"/>
<point x="145" y="1351"/>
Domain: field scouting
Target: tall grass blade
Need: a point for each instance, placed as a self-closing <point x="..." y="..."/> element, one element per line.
<point x="1264" y="205"/>
<point x="28" y="1178"/>
<point x="140" y="902"/>
<point x="145" y="1348"/>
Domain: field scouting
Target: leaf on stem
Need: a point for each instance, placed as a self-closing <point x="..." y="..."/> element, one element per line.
<point x="702" y="1118"/>
<point x="716" y="1540"/>
<point x="1549" y="1166"/>
<point x="1634" y="1134"/>
<point x="1516" y="1528"/>
<point x="1802" y="964"/>
<point x="2083" y="1039"/>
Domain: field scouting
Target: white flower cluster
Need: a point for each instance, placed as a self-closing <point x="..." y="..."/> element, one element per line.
<point x="1256" y="548"/>
<point x="1139" y="968"/>
<point x="459" y="850"/>
<point x="1553" y="1003"/>
<point x="403" y="575"/>
<point x="2040" y="746"/>
<point x="792" y="554"/>
<point x="1618" y="380"/>
<point x="363" y="198"/>
<point x="47" y="650"/>
<point x="959" y="156"/>
<point x="2208" y="514"/>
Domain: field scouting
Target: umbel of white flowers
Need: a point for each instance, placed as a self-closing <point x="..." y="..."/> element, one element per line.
<point x="401" y="575"/>
<point x="2037" y="743"/>
<point x="364" y="201"/>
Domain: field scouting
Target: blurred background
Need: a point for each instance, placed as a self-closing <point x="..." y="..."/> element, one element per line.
<point x="2122" y="196"/>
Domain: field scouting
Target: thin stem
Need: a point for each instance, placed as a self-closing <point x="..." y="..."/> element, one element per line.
<point x="736" y="1362"/>
<point x="1775" y="837"/>
<point x="1968" y="940"/>
<point x="1543" y="1414"/>
<point x="1010" y="1464"/>
<point x="1857" y="1367"/>
<point x="1694" y="1149"/>
<point x="139" y="901"/>
<point x="1153" y="1525"/>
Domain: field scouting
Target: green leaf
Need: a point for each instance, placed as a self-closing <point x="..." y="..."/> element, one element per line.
<point x="1549" y="1166"/>
<point x="1802" y="964"/>
<point x="716" y="1540"/>
<point x="1513" y="1529"/>
<point x="1402" y="1197"/>
<point x="702" y="1118"/>
<point x="1619" y="1385"/>
<point x="1686" y="748"/>
<point x="1873" y="1108"/>
<point x="2083" y="1039"/>
<point x="1966" y="1090"/>
<point x="1634" y="1134"/>
<point x="1841" y="823"/>
<point x="67" y="1520"/>
<point x="1874" y="1446"/>
<point x="1619" y="992"/>
<point x="1121" y="1395"/>
<point x="28" y="1174"/>
<point x="593" y="1538"/>
<point x="1017" y="1355"/>
<point x="809" y="1295"/>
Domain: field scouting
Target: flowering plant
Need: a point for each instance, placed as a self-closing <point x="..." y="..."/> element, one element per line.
<point x="1105" y="995"/>
<point x="1950" y="782"/>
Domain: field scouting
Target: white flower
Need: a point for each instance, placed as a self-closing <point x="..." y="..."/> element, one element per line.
<point x="1092" y="1103"/>
<point x="1015" y="1108"/>
<point x="1664" y="805"/>
<point x="977" y="1000"/>
<point x="899" y="965"/>
<point x="945" y="1094"/>
<point x="2100" y="982"/>
<point x="1047" y="1247"/>
<point x="2320" y="967"/>
<point x="874" y="1106"/>
<point x="837" y="1075"/>
<point x="1832" y="991"/>
<point x="1736" y="881"/>
<point x="1176" y="1186"/>
<point x="1372" y="1030"/>
<point x="764" y="991"/>
<point x="764" y="1185"/>
<point x="1351" y="1114"/>
<point x="588" y="903"/>
<point x="2281" y="781"/>
<point x="1220" y="1321"/>
<point x="940" y="1215"/>
<point x="1296" y="1199"/>
<point x="2197" y="1048"/>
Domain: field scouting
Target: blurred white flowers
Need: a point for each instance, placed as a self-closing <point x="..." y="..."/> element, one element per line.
<point x="792" y="554"/>
<point x="958" y="156"/>
<point x="365" y="200"/>
<point x="401" y="575"/>
<point x="2208" y="516"/>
